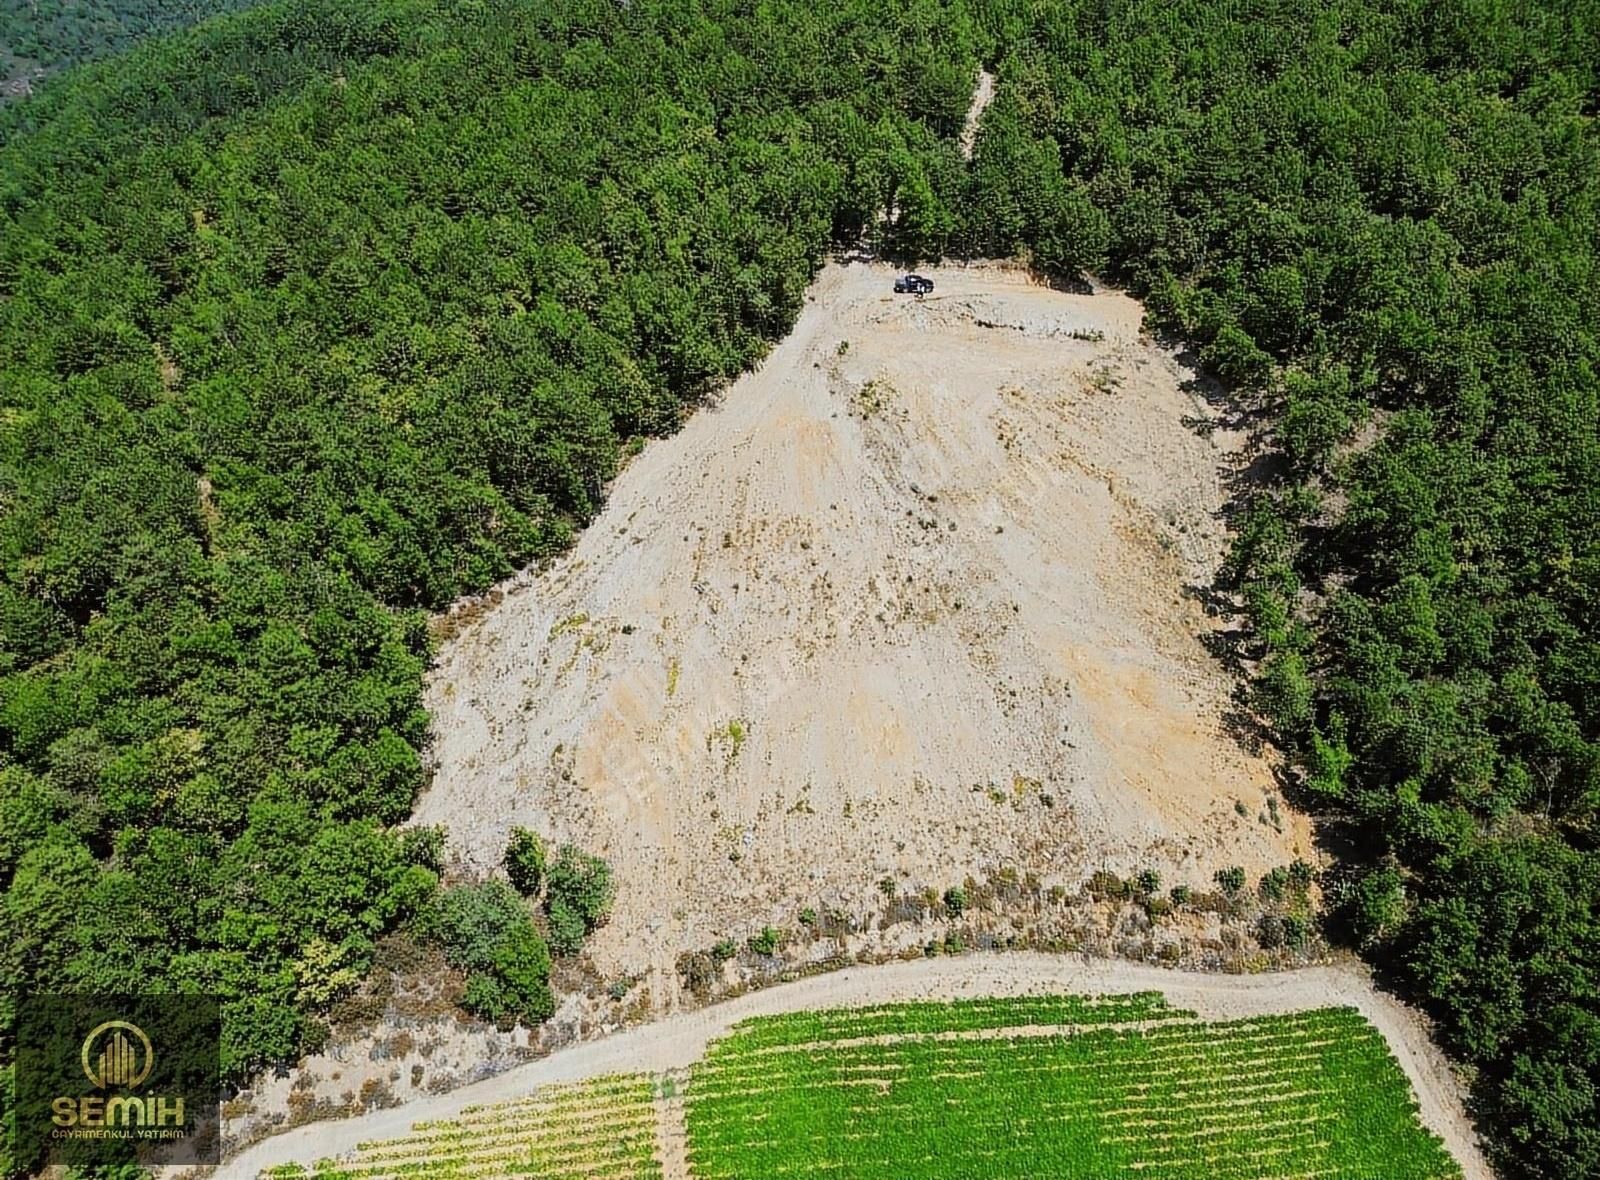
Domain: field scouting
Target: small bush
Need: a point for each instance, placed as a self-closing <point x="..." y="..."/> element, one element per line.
<point x="567" y="928"/>
<point x="423" y="846"/>
<point x="582" y="884"/>
<point x="487" y="931"/>
<point x="1149" y="881"/>
<point x="1180" y="895"/>
<point x="1374" y="905"/>
<point x="1300" y="875"/>
<point x="697" y="971"/>
<point x="1230" y="880"/>
<point x="724" y="950"/>
<point x="1270" y="931"/>
<point x="808" y="917"/>
<point x="765" y="943"/>
<point x="1104" y="884"/>
<point x="1296" y="932"/>
<point x="524" y="861"/>
<point x="955" y="900"/>
<point x="1274" y="885"/>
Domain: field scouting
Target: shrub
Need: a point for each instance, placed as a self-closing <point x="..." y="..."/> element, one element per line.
<point x="525" y="861"/>
<point x="765" y="943"/>
<point x="567" y="927"/>
<point x="1374" y="905"/>
<point x="1274" y="884"/>
<point x="423" y="846"/>
<point x="487" y="931"/>
<point x="724" y="950"/>
<point x="1300" y="875"/>
<point x="580" y="883"/>
<point x="1270" y="931"/>
<point x="1283" y="691"/>
<point x="1296" y="931"/>
<point x="1148" y="881"/>
<point x="955" y="900"/>
<point x="1105" y="884"/>
<point x="697" y="971"/>
<point x="1180" y="895"/>
<point x="1230" y="880"/>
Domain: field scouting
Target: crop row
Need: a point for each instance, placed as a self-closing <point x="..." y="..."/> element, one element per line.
<point x="1312" y="1094"/>
<point x="1244" y="1042"/>
<point x="605" y="1127"/>
<point x="800" y="1028"/>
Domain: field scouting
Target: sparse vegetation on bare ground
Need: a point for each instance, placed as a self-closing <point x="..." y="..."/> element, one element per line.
<point x="910" y="609"/>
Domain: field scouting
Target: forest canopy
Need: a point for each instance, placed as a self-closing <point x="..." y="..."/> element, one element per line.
<point x="1378" y="223"/>
<point x="41" y="36"/>
<point x="318" y="316"/>
<point x="311" y="321"/>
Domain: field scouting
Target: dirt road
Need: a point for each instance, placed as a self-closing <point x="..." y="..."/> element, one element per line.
<point x="680" y="1040"/>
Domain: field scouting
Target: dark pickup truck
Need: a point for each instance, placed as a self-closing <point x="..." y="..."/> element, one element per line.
<point x="913" y="285"/>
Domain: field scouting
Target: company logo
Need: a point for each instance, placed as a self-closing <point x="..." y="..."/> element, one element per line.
<point x="118" y="1055"/>
<point x="119" y="1063"/>
<point x="103" y="1080"/>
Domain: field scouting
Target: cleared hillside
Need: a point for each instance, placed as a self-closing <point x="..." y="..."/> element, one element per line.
<point x="908" y="601"/>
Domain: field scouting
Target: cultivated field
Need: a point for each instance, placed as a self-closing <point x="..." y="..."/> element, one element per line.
<point x="1061" y="1086"/>
<point x="605" y="1127"/>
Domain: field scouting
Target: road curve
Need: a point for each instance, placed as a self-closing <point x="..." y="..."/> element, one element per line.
<point x="679" y="1040"/>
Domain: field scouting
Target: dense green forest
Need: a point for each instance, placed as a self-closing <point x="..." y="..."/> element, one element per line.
<point x="1378" y="223"/>
<point x="55" y="33"/>
<point x="47" y="35"/>
<point x="312" y="320"/>
<point x="317" y="317"/>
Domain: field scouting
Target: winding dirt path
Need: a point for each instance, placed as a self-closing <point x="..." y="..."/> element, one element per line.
<point x="678" y="1041"/>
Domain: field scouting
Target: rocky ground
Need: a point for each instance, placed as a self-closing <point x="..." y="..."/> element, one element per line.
<point x="914" y="600"/>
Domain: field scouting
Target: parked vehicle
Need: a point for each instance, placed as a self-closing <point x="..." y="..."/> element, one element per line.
<point x="913" y="285"/>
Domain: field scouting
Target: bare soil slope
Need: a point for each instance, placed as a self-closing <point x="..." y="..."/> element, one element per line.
<point x="907" y="602"/>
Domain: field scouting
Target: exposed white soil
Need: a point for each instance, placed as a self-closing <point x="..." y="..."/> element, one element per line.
<point x="678" y="1041"/>
<point x="907" y="602"/>
<point x="982" y="96"/>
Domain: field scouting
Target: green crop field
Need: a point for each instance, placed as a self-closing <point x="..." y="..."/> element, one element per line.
<point x="1061" y="1087"/>
<point x="605" y="1127"/>
<point x="1132" y="1089"/>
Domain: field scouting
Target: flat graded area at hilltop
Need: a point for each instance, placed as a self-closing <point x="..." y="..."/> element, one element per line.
<point x="908" y="601"/>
